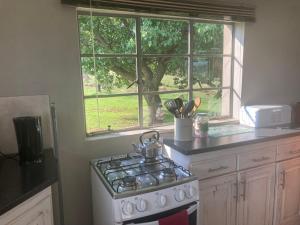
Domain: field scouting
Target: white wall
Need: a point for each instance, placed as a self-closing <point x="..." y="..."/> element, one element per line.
<point x="272" y="53"/>
<point x="40" y="55"/>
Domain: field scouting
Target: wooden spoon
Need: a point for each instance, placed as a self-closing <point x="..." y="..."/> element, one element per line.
<point x="196" y="106"/>
<point x="197" y="102"/>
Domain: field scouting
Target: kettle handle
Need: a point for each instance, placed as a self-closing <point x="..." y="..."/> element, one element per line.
<point x="156" y="135"/>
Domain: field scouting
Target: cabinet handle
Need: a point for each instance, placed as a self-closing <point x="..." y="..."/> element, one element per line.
<point x="243" y="195"/>
<point x="261" y="159"/>
<point x="283" y="179"/>
<point x="294" y="152"/>
<point x="235" y="196"/>
<point x="211" y="170"/>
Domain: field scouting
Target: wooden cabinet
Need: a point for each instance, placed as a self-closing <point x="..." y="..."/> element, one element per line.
<point x="35" y="211"/>
<point x="287" y="207"/>
<point x="256" y="184"/>
<point x="256" y="196"/>
<point x="288" y="150"/>
<point x="255" y="158"/>
<point x="245" y="198"/>
<point x="218" y="201"/>
<point x="214" y="167"/>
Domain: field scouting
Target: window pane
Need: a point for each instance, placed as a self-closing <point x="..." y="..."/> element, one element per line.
<point x="154" y="111"/>
<point x="86" y="37"/>
<point x="91" y="115"/>
<point x="161" y="36"/>
<point x="117" y="112"/>
<point x="164" y="73"/>
<point x="211" y="72"/>
<point x="209" y="38"/>
<point x="214" y="102"/>
<point x="90" y="85"/>
<point x="111" y="34"/>
<point x="112" y="75"/>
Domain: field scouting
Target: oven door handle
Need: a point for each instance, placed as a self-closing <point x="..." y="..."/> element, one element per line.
<point x="146" y="223"/>
<point x="190" y="210"/>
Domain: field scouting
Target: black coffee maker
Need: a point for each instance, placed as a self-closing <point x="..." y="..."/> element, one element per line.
<point x="29" y="138"/>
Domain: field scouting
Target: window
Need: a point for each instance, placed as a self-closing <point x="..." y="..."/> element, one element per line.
<point x="132" y="64"/>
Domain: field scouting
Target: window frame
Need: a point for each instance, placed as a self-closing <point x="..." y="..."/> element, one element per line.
<point x="139" y="55"/>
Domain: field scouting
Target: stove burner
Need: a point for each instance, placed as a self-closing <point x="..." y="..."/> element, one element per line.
<point x="167" y="175"/>
<point x="115" y="163"/>
<point x="168" y="172"/>
<point x="147" y="161"/>
<point x="129" y="181"/>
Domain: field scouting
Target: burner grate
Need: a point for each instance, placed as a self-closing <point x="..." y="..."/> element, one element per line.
<point x="128" y="173"/>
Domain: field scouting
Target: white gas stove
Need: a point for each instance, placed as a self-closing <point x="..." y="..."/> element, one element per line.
<point x="128" y="189"/>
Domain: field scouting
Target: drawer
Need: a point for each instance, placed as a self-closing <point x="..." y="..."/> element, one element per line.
<point x="258" y="157"/>
<point x="288" y="150"/>
<point x="34" y="211"/>
<point x="213" y="167"/>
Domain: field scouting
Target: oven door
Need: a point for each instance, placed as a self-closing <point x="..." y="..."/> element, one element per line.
<point x="153" y="219"/>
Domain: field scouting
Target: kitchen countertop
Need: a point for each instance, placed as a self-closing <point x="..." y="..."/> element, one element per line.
<point x="19" y="183"/>
<point x="202" y="145"/>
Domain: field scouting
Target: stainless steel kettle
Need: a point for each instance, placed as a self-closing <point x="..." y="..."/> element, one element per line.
<point x="149" y="146"/>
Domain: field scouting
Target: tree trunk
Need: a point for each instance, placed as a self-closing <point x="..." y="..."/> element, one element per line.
<point x="98" y="87"/>
<point x="151" y="83"/>
<point x="154" y="103"/>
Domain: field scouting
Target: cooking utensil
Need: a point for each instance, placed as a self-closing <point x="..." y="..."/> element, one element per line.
<point x="172" y="107"/>
<point x="179" y="103"/>
<point x="188" y="107"/>
<point x="196" y="106"/>
<point x="197" y="102"/>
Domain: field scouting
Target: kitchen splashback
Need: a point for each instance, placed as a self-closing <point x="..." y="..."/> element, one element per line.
<point x="11" y="107"/>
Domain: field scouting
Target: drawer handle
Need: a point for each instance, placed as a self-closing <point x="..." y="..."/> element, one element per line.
<point x="244" y="184"/>
<point x="261" y="159"/>
<point x="283" y="173"/>
<point x="294" y="152"/>
<point x="211" y="170"/>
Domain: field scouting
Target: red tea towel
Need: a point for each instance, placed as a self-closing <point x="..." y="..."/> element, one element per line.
<point x="180" y="218"/>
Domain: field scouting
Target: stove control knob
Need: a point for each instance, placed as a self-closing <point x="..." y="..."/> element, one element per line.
<point x="161" y="200"/>
<point x="128" y="208"/>
<point x="190" y="191"/>
<point x="179" y="195"/>
<point x="141" y="205"/>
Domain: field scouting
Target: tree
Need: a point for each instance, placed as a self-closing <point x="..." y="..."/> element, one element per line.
<point x="117" y="35"/>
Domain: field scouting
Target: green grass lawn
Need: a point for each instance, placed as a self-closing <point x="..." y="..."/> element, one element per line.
<point x="122" y="112"/>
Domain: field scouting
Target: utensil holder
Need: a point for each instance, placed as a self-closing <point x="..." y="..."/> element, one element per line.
<point x="183" y="129"/>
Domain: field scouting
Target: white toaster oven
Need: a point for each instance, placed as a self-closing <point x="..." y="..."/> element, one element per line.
<point x="265" y="115"/>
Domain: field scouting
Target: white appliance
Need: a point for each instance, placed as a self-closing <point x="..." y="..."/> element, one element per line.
<point x="265" y="115"/>
<point x="132" y="189"/>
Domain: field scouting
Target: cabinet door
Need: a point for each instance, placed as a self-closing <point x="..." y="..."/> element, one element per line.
<point x="40" y="214"/>
<point x="256" y="196"/>
<point x="288" y="193"/>
<point x="218" y="201"/>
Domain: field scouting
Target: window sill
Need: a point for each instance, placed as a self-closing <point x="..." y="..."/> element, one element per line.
<point x="168" y="129"/>
<point x="162" y="130"/>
